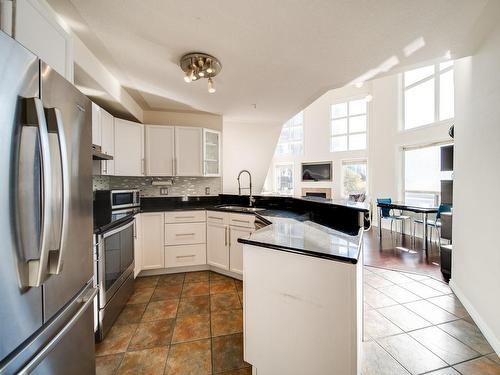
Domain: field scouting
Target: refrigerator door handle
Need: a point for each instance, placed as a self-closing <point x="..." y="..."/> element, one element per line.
<point x="56" y="258"/>
<point x="87" y="300"/>
<point x="35" y="120"/>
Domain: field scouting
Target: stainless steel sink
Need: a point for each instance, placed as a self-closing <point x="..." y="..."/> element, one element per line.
<point x="241" y="208"/>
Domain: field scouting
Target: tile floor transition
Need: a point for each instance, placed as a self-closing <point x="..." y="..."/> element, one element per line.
<point x="192" y="324"/>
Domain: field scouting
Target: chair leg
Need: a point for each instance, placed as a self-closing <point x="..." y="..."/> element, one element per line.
<point x="430" y="234"/>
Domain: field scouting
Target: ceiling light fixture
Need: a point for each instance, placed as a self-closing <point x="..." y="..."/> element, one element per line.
<point x="198" y="65"/>
<point x="211" y="86"/>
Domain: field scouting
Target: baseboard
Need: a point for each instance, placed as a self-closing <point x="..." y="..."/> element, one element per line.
<point x="201" y="267"/>
<point x="485" y="329"/>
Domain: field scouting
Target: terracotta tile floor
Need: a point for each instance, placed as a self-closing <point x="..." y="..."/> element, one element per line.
<point x="186" y="323"/>
<point x="192" y="324"/>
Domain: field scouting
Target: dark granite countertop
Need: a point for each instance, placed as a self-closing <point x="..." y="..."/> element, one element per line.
<point x="307" y="238"/>
<point x="307" y="226"/>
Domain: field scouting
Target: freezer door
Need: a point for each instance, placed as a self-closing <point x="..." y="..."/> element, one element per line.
<point x="65" y="344"/>
<point x="68" y="114"/>
<point x="21" y="305"/>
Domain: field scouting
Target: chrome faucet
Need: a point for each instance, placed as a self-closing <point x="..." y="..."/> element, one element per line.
<point x="252" y="199"/>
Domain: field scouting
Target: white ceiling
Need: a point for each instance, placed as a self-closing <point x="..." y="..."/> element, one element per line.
<point x="277" y="54"/>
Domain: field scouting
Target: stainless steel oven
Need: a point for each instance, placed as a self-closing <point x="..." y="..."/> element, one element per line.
<point x="114" y="256"/>
<point x="124" y="198"/>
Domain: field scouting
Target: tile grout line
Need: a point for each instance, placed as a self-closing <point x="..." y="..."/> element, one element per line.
<point x="376" y="340"/>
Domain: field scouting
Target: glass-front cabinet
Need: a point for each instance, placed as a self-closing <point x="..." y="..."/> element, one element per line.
<point x="211" y="152"/>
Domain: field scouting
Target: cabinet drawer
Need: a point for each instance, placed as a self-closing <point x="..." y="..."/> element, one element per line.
<point x="217" y="217"/>
<point x="242" y="220"/>
<point x="185" y="255"/>
<point x="185" y="216"/>
<point x="185" y="233"/>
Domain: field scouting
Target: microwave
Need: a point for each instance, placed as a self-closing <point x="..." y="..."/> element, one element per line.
<point x="124" y="199"/>
<point x="111" y="204"/>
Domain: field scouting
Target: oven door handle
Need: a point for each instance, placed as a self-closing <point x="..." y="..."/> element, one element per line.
<point x="118" y="229"/>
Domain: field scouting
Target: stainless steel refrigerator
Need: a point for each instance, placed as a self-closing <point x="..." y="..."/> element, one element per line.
<point x="46" y="290"/>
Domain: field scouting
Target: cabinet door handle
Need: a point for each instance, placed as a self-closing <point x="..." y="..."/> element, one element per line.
<point x="185" y="234"/>
<point x="185" y="256"/>
<point x="215" y="217"/>
<point x="184" y="217"/>
<point x="241" y="221"/>
<point x="225" y="236"/>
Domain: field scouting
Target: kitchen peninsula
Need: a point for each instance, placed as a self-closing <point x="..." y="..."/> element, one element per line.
<point x="302" y="299"/>
<point x="302" y="271"/>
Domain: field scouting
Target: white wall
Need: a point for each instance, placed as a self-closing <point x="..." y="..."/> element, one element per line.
<point x="247" y="146"/>
<point x="111" y="95"/>
<point x="317" y="140"/>
<point x="206" y="120"/>
<point x="386" y="139"/>
<point x="476" y="253"/>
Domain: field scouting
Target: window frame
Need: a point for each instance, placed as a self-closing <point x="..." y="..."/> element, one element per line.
<point x="352" y="161"/>
<point x="275" y="179"/>
<point x="289" y="124"/>
<point x="437" y="90"/>
<point x="347" y="117"/>
<point x="403" y="168"/>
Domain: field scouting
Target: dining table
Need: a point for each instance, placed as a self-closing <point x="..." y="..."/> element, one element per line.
<point x="421" y="208"/>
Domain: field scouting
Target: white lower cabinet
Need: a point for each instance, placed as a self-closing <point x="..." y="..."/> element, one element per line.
<point x="185" y="255"/>
<point x="185" y="233"/>
<point x="217" y="245"/>
<point x="223" y="249"/>
<point x="153" y="253"/>
<point x="236" y="248"/>
<point x="190" y="238"/>
<point x="185" y="238"/>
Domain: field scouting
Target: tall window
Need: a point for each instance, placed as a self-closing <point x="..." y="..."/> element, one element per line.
<point x="283" y="175"/>
<point x="291" y="140"/>
<point x="354" y="177"/>
<point x="428" y="95"/>
<point x="349" y="123"/>
<point x="422" y="175"/>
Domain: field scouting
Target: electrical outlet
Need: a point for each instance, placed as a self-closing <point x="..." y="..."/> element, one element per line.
<point x="164" y="191"/>
<point x="207" y="190"/>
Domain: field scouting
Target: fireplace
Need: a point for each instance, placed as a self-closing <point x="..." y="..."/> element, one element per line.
<point x="317" y="192"/>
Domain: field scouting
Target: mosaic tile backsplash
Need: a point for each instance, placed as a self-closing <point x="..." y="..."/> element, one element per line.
<point x="181" y="185"/>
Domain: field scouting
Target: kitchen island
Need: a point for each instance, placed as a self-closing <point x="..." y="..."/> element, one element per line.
<point x="302" y="299"/>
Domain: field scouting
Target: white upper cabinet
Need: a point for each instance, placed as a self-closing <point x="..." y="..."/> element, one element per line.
<point x="188" y="151"/>
<point x="211" y="153"/>
<point x="159" y="151"/>
<point x="96" y="125"/>
<point x="107" y="141"/>
<point x="129" y="148"/>
<point x="37" y="28"/>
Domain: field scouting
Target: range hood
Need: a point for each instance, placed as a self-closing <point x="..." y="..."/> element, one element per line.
<point x="97" y="154"/>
